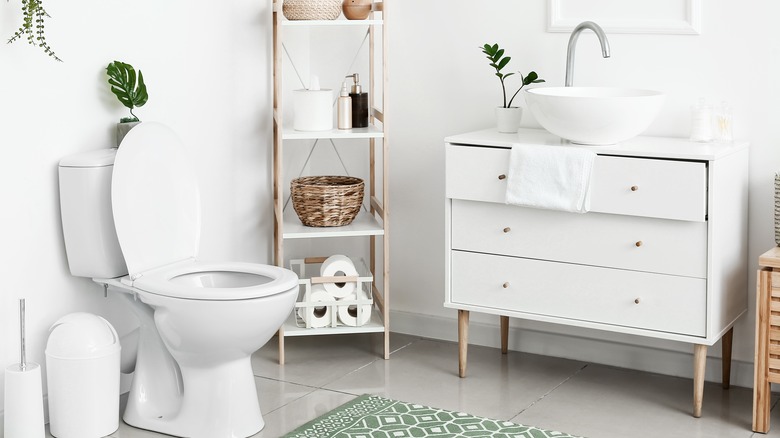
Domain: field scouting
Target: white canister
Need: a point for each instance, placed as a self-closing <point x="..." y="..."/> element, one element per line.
<point x="313" y="110"/>
<point x="701" y="122"/>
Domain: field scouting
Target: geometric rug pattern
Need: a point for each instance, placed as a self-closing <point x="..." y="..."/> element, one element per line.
<point x="371" y="416"/>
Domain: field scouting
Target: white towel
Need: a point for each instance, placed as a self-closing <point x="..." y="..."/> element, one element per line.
<point x="550" y="177"/>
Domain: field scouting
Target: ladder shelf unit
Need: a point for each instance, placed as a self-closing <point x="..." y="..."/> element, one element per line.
<point x="371" y="223"/>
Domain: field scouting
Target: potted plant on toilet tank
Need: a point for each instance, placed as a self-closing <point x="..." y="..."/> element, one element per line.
<point x="507" y="116"/>
<point x="130" y="89"/>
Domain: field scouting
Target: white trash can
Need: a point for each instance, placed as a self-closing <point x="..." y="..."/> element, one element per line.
<point x="82" y="371"/>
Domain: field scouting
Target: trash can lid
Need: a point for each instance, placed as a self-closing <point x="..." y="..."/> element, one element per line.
<point x="81" y="336"/>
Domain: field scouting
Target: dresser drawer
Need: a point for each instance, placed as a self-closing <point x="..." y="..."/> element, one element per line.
<point x="667" y="189"/>
<point x="651" y="188"/>
<point x="642" y="244"/>
<point x="503" y="285"/>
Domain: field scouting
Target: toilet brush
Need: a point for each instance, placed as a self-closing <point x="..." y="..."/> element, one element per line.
<point x="23" y="394"/>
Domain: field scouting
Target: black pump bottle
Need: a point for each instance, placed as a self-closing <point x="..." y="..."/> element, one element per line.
<point x="359" y="103"/>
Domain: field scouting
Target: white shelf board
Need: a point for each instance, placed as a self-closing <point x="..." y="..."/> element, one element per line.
<point x="370" y="132"/>
<point x="374" y="325"/>
<point x="331" y="22"/>
<point x="363" y="225"/>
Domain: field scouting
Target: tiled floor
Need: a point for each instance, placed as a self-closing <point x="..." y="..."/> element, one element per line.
<point x="585" y="399"/>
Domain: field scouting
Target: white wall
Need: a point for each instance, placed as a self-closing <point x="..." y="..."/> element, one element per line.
<point x="442" y="85"/>
<point x="207" y="67"/>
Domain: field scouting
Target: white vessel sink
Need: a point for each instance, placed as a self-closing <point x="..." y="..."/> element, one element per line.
<point x="594" y="115"/>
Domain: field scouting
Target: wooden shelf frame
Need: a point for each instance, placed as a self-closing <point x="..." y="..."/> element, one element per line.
<point x="373" y="223"/>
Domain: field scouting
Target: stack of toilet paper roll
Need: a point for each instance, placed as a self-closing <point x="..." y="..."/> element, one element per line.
<point x="321" y="316"/>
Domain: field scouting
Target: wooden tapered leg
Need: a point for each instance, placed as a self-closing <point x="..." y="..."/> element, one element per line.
<point x="699" y="365"/>
<point x="726" y="353"/>
<point x="280" y="334"/>
<point x="504" y="334"/>
<point x="761" y="386"/>
<point x="463" y="341"/>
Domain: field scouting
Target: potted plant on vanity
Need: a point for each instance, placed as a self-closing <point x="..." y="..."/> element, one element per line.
<point x="507" y="116"/>
<point x="130" y="89"/>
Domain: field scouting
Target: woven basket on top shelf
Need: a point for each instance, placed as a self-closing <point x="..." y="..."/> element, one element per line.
<point x="327" y="201"/>
<point x="311" y="9"/>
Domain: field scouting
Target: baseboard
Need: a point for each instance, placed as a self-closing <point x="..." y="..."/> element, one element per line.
<point x="593" y="346"/>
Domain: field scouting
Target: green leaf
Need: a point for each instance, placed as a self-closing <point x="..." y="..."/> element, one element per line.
<point x="508" y="75"/>
<point x="142" y="96"/>
<point x="129" y="90"/>
<point x="503" y="62"/>
<point x="532" y="76"/>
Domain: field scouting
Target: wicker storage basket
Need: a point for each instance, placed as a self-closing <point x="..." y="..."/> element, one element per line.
<point x="327" y="201"/>
<point x="311" y="9"/>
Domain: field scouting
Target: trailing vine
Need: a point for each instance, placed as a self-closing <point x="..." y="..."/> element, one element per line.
<point x="32" y="28"/>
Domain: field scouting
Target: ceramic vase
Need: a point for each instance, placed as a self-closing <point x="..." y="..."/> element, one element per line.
<point x="356" y="9"/>
<point x="508" y="119"/>
<point x="122" y="129"/>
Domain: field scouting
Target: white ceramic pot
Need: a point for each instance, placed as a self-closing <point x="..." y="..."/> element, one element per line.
<point x="508" y="119"/>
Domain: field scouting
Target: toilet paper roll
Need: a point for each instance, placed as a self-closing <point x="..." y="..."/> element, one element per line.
<point x="348" y="313"/>
<point x="313" y="110"/>
<point x="317" y="316"/>
<point x="23" y="402"/>
<point x="339" y="265"/>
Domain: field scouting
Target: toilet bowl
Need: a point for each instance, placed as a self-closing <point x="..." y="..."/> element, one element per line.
<point x="199" y="321"/>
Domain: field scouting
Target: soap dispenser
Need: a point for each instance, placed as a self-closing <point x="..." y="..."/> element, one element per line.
<point x="345" y="108"/>
<point x="359" y="103"/>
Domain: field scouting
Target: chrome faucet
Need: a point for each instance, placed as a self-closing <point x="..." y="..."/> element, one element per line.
<point x="573" y="44"/>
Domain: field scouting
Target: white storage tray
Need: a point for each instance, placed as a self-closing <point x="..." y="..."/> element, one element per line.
<point x="308" y="271"/>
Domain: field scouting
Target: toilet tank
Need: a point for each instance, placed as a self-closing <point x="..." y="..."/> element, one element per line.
<point x="87" y="219"/>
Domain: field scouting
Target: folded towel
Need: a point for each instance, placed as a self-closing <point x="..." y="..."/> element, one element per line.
<point x="551" y="177"/>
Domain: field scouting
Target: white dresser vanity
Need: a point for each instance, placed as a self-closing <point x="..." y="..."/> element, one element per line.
<point x="662" y="252"/>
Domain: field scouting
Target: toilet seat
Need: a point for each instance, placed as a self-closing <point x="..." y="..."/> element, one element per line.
<point x="193" y="280"/>
<point x="156" y="206"/>
<point x="155" y="199"/>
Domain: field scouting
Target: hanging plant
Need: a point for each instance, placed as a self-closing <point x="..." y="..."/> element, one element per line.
<point x="32" y="28"/>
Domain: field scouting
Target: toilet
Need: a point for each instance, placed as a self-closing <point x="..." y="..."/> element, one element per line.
<point x="131" y="222"/>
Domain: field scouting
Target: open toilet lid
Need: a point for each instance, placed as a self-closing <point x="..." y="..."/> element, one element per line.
<point x="155" y="198"/>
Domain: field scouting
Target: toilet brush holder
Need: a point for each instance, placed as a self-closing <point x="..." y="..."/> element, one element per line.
<point x="23" y="394"/>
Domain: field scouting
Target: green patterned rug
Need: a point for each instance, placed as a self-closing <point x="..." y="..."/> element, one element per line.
<point x="370" y="416"/>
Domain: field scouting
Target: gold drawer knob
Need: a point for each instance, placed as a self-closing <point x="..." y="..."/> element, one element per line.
<point x="636" y="301"/>
<point x="502" y="177"/>
<point x="638" y="244"/>
<point x="506" y="285"/>
<point x="634" y="188"/>
<point x="507" y="229"/>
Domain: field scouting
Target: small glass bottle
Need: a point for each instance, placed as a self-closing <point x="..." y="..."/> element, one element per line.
<point x="701" y="122"/>
<point x="723" y="123"/>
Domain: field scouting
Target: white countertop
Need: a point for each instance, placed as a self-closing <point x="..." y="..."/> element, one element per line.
<point x="653" y="147"/>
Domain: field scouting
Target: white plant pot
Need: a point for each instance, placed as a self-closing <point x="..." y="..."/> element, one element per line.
<point x="122" y="129"/>
<point x="508" y="119"/>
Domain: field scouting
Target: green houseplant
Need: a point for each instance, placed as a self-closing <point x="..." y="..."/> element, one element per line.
<point x="130" y="89"/>
<point x="32" y="28"/>
<point x="507" y="116"/>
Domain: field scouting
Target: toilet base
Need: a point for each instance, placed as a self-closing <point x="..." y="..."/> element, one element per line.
<point x="236" y="415"/>
<point x="175" y="399"/>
